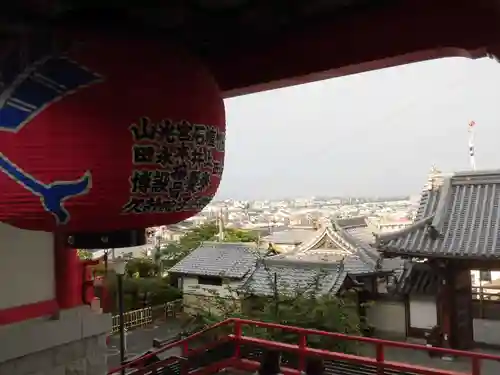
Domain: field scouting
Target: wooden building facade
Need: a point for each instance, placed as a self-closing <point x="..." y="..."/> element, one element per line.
<point x="456" y="230"/>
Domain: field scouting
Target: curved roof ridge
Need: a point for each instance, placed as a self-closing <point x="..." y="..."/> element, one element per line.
<point x="303" y="263"/>
<point x="345" y="244"/>
<point x="305" y="246"/>
<point x="350" y="222"/>
<point x="442" y="206"/>
<point x="364" y="251"/>
<point x="384" y="237"/>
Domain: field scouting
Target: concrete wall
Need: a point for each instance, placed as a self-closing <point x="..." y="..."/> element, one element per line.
<point x="26" y="267"/>
<point x="487" y="331"/>
<point x="198" y="296"/>
<point x="75" y="344"/>
<point x="388" y="318"/>
<point x="423" y="312"/>
<point x="190" y="286"/>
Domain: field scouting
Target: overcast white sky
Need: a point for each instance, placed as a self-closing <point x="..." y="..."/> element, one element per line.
<point x="376" y="133"/>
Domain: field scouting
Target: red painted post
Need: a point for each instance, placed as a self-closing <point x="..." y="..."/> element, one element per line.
<point x="67" y="276"/>
<point x="302" y="351"/>
<point x="237" y="335"/>
<point x="476" y="366"/>
<point x="380" y="357"/>
<point x="185" y="358"/>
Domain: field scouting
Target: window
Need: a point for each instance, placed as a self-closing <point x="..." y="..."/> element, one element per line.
<point x="209" y="280"/>
<point x="473" y="279"/>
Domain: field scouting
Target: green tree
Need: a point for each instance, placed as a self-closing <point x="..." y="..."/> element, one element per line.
<point x="141" y="292"/>
<point x="303" y="307"/>
<point x="172" y="253"/>
<point x="141" y="267"/>
<point x="84" y="254"/>
<point x="239" y="235"/>
<point x="193" y="238"/>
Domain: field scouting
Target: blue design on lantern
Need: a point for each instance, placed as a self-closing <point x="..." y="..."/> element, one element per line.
<point x="27" y="91"/>
<point x="53" y="195"/>
<point x="40" y="84"/>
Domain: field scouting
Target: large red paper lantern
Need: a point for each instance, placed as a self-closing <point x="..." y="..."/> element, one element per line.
<point x="106" y="134"/>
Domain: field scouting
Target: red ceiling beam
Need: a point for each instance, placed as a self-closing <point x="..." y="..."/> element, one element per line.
<point x="408" y="32"/>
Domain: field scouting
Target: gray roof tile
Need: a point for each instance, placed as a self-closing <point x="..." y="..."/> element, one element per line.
<point x="358" y="221"/>
<point x="294" y="277"/>
<point x="359" y="234"/>
<point x="458" y="218"/>
<point x="291" y="236"/>
<point x="418" y="278"/>
<point x="225" y="260"/>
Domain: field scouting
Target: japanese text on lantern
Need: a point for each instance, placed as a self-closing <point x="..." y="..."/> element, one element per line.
<point x="173" y="165"/>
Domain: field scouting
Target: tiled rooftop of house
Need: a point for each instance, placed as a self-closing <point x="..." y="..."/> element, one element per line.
<point x="220" y="259"/>
<point x="291" y="277"/>
<point x="290" y="237"/>
<point x="459" y="216"/>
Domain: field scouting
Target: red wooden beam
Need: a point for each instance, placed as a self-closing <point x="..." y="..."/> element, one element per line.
<point x="369" y="340"/>
<point x="406" y="32"/>
<point x="302" y="350"/>
<point x="29" y="311"/>
<point x="397" y="366"/>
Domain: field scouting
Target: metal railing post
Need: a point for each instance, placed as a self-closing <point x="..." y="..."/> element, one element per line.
<point x="302" y="351"/>
<point x="476" y="366"/>
<point x="185" y="356"/>
<point x="238" y="332"/>
<point x="380" y="357"/>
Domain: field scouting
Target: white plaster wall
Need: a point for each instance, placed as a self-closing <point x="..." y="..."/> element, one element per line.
<point x="486" y="331"/>
<point x="388" y="317"/>
<point x="423" y="313"/>
<point x="190" y="286"/>
<point x="26" y="267"/>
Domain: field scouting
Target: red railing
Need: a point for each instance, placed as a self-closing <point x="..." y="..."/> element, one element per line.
<point x="303" y="351"/>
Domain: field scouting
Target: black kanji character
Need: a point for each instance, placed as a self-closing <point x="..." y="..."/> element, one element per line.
<point x="200" y="134"/>
<point x="191" y="204"/>
<point x="193" y="181"/>
<point x="179" y="172"/>
<point x="164" y="157"/>
<point x="183" y="200"/>
<point x="199" y="156"/>
<point x="209" y="160"/>
<point x="183" y="152"/>
<point x="143" y="154"/>
<point x="143" y="130"/>
<point x="167" y="131"/>
<point x="218" y="168"/>
<point x="203" y="201"/>
<point x="211" y="136"/>
<point x="176" y="189"/>
<point x="220" y="143"/>
<point x="153" y="205"/>
<point x="134" y="206"/>
<point x="160" y="182"/>
<point x="204" y="181"/>
<point x="186" y="131"/>
<point x="141" y="181"/>
<point x="168" y="205"/>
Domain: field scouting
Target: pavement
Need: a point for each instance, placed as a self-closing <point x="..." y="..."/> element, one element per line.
<point x="421" y="358"/>
<point x="140" y="340"/>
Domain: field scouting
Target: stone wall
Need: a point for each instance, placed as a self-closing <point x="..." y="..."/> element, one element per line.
<point x="72" y="344"/>
<point x="82" y="357"/>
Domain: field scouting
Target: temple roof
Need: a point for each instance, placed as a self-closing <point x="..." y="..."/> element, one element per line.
<point x="346" y="241"/>
<point x="227" y="260"/>
<point x="418" y="278"/>
<point x="291" y="277"/>
<point x="290" y="236"/>
<point x="458" y="217"/>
